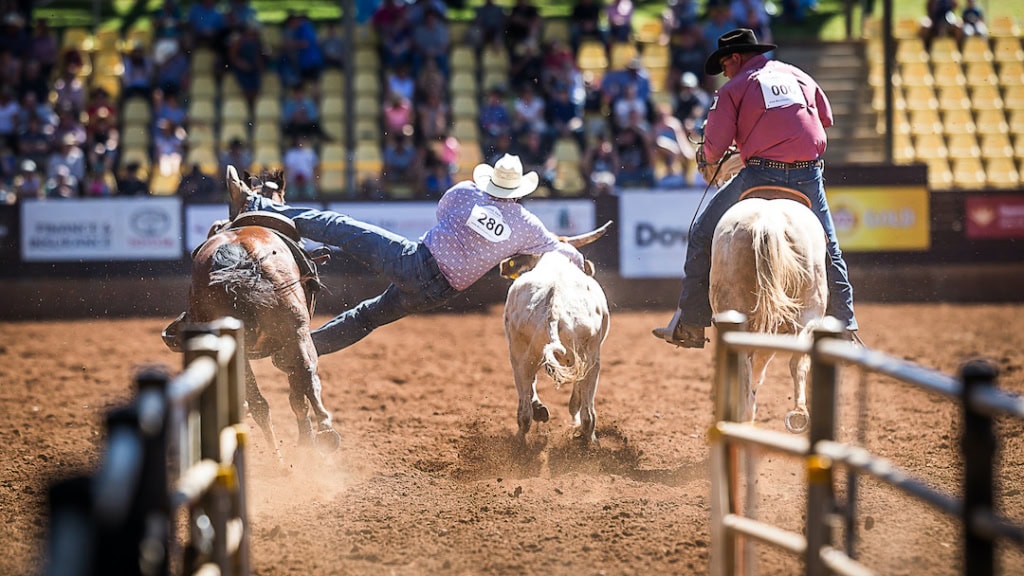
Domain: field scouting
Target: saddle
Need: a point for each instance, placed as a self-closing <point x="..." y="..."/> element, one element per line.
<point x="776" y="193"/>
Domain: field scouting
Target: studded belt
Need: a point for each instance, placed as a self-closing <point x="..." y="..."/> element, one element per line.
<point x="766" y="163"/>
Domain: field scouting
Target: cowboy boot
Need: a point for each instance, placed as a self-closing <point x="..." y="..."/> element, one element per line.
<point x="238" y="192"/>
<point x="682" y="335"/>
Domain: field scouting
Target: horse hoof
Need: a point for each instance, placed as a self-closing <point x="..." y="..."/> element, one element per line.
<point x="328" y="441"/>
<point x="796" y="421"/>
<point x="540" y="413"/>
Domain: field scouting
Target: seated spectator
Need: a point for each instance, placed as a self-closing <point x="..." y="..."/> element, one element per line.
<point x="494" y="118"/>
<point x="401" y="82"/>
<point x="62" y="184"/>
<point x="438" y="179"/>
<point x="34" y="82"/>
<point x="679" y="14"/>
<point x="69" y="155"/>
<point x="172" y="67"/>
<point x="753" y="15"/>
<point x="301" y="165"/>
<point x="973" y="20"/>
<point x="139" y="72"/>
<point x="536" y="157"/>
<point x="239" y="15"/>
<point x="430" y="81"/>
<point x="44" y="49"/>
<point x="585" y="22"/>
<point x="103" y="140"/>
<point x="302" y="59"/>
<point x="432" y="116"/>
<point x="100" y="103"/>
<point x="401" y="159"/>
<point x="397" y="114"/>
<point x="40" y="109"/>
<point x="719" y="21"/>
<point x="502" y="145"/>
<point x="526" y="64"/>
<point x="10" y="110"/>
<point x="28" y="183"/>
<point x="131" y="183"/>
<point x="417" y="11"/>
<point x="14" y="38"/>
<point x="198" y="187"/>
<point x="620" y="20"/>
<point x="691" y="103"/>
<point x="99" y="182"/>
<point x="430" y="41"/>
<point x="671" y="146"/>
<point x="686" y="54"/>
<point x="488" y="26"/>
<point x="524" y="24"/>
<point x="394" y="34"/>
<point x="599" y="164"/>
<point x="613" y="85"/>
<point x="630" y="106"/>
<point x="565" y="116"/>
<point x="35" y="141"/>
<point x="69" y="87"/>
<point x="299" y="113"/>
<point x="333" y="45"/>
<point x="8" y="165"/>
<point x="246" y="60"/>
<point x="529" y="112"/>
<point x="167" y="21"/>
<point x="636" y="159"/>
<point x="169" y="147"/>
<point x="169" y="108"/>
<point x="237" y="155"/>
<point x="206" y="25"/>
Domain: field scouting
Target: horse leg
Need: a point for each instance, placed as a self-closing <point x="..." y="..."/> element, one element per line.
<point x="797" y="419"/>
<point x="300" y="364"/>
<point x="755" y="367"/>
<point x="260" y="410"/>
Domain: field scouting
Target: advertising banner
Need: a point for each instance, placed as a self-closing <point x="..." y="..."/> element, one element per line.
<point x="991" y="217"/>
<point x="564" y="217"/>
<point x="654" y="230"/>
<point x="9" y="234"/>
<point x="199" y="218"/>
<point x="101" y="229"/>
<point x="881" y="219"/>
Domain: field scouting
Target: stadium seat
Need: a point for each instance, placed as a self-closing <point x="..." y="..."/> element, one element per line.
<point x="981" y="74"/>
<point x="463" y="58"/>
<point x="270" y="85"/>
<point x="878" y="100"/>
<point x="333" y="157"/>
<point x="462" y="83"/>
<point x="271" y="36"/>
<point x="205" y="157"/>
<point x="991" y="121"/>
<point x="112" y="84"/>
<point x="465" y="106"/>
<point x="591" y="56"/>
<point x="915" y="74"/>
<point x="107" y="40"/>
<point x="164" y="184"/>
<point x="968" y="173"/>
<point x="135" y="136"/>
<point x="940" y="177"/>
<point x="267" y="132"/>
<point x="945" y="49"/>
<point x="75" y="38"/>
<point x="1016" y="122"/>
<point x="367" y="107"/>
<point x="465" y="130"/>
<point x="494" y="79"/>
<point x="621" y="55"/>
<point x="911" y="50"/>
<point x="902" y="148"/>
<point x="1007" y="50"/>
<point x="920" y="98"/>
<point x="927" y="146"/>
<point x="234" y="109"/>
<point x="976" y="49"/>
<point x="268" y="109"/>
<point x="202" y="88"/>
<point x="986" y="98"/>
<point x="648" y="33"/>
<point x="141" y="35"/>
<point x="332" y="182"/>
<point x="200" y="134"/>
<point x="494" y="60"/>
<point x="1011" y="74"/>
<point x="958" y="121"/>
<point x="907" y="28"/>
<point x="108" y="62"/>
<point x="136" y="154"/>
<point x="332" y="108"/>
<point x="202" y="111"/>
<point x="954" y="98"/>
<point x="962" y="145"/>
<point x="203" y="62"/>
<point x="1013" y="98"/>
<point x="996" y="145"/>
<point x="556" y="29"/>
<point x="332" y="83"/>
<point x="1018" y="147"/>
<point x="366" y="59"/>
<point x="366" y="84"/>
<point x="367" y="130"/>
<point x="925" y="122"/>
<point x="229" y="87"/>
<point x="267" y="157"/>
<point x="231" y="130"/>
<point x="948" y="74"/>
<point x="1002" y="173"/>
<point x="1004" y="26"/>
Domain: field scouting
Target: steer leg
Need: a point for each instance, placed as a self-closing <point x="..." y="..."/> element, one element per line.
<point x="260" y="410"/>
<point x="587" y="414"/>
<point x="525" y="365"/>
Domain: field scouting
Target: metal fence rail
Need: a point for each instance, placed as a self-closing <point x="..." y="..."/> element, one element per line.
<point x="973" y="388"/>
<point x="176" y="452"/>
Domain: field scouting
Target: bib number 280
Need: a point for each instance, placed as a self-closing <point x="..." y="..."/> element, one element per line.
<point x="488" y="223"/>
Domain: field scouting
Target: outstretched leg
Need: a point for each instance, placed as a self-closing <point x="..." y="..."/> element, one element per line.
<point x="260" y="410"/>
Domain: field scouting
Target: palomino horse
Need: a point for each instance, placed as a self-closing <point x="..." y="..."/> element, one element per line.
<point x="252" y="268"/>
<point x="768" y="261"/>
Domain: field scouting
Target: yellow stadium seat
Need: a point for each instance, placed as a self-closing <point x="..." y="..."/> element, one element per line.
<point x="367" y="107"/>
<point x="948" y="74"/>
<point x="462" y="83"/>
<point x="135" y="111"/>
<point x="229" y="86"/>
<point x="366" y="58"/>
<point x="940" y="177"/>
<point x="1013" y="98"/>
<point x="107" y="40"/>
<point x="465" y="106"/>
<point x="463" y="58"/>
<point x="591" y="55"/>
<point x="133" y="136"/>
<point x="201" y="135"/>
<point x="202" y="110"/>
<point x="910" y="50"/>
<point x="333" y="157"/>
<point x="332" y="108"/>
<point x="968" y="173"/>
<point x="898" y="101"/>
<point x="164" y="184"/>
<point x="332" y="182"/>
<point x="924" y="122"/>
<point x="495" y="78"/>
<point x="494" y="59"/>
<point x="556" y="29"/>
<point x="203" y="62"/>
<point x="138" y="155"/>
<point x="1007" y="50"/>
<point x="234" y="109"/>
<point x="991" y="121"/>
<point x="112" y="84"/>
<point x="1011" y="74"/>
<point x="976" y="49"/>
<point x="1018" y="147"/>
<point x="954" y="98"/>
<point x="202" y="88"/>
<point x="230" y="131"/>
<point x="962" y="145"/>
<point x="267" y="157"/>
<point x="1004" y="26"/>
<point x="902" y="148"/>
<point x="366" y="83"/>
<point x="1002" y="173"/>
<point x="920" y="98"/>
<point x="108" y="62"/>
<point x="621" y="55"/>
<point x="272" y="36"/>
<point x="996" y="145"/>
<point x="140" y="35"/>
<point x="915" y="74"/>
<point x="269" y="109"/>
<point x="332" y="83"/>
<point x="986" y="98"/>
<point x="76" y="39"/>
<point x="270" y="85"/>
<point x="465" y="131"/>
<point x="907" y="28"/>
<point x="928" y="146"/>
<point x="945" y="49"/>
<point x="267" y="133"/>
<point x="981" y="74"/>
<point x="1016" y="122"/>
<point x="205" y="157"/>
<point x="958" y="121"/>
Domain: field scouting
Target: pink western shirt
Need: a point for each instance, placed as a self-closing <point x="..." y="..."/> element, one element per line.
<point x="476" y="231"/>
<point x="771" y="110"/>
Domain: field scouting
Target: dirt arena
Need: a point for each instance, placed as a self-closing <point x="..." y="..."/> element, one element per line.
<point x="426" y="483"/>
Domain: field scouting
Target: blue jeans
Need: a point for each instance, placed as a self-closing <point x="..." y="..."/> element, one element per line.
<point x="694" y="301"/>
<point x="417" y="284"/>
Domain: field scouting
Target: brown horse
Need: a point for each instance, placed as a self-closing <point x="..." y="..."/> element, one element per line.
<point x="251" y="268"/>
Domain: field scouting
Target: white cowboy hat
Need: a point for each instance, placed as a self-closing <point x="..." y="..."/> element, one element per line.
<point x="506" y="178"/>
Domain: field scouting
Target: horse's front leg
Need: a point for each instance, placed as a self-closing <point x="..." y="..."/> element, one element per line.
<point x="299" y="362"/>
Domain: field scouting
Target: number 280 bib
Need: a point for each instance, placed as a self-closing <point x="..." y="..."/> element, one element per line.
<point x="488" y="222"/>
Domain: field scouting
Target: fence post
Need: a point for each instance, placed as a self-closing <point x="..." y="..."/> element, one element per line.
<point x="723" y="542"/>
<point x="979" y="450"/>
<point x="819" y="468"/>
<point x="151" y="390"/>
<point x="236" y="369"/>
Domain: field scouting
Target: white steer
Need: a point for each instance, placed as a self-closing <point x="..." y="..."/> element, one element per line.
<point x="556" y="316"/>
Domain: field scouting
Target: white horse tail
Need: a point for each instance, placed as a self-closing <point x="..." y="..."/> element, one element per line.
<point x="782" y="276"/>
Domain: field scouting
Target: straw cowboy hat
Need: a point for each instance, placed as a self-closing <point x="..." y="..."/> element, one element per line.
<point x="506" y="178"/>
<point x="732" y="42"/>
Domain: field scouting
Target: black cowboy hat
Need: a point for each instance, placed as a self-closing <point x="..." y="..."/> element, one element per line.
<point x="738" y="40"/>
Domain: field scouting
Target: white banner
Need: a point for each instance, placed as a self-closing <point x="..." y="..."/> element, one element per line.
<point x="564" y="217"/>
<point x="199" y="218"/>
<point x="408" y="219"/>
<point x="654" y="231"/>
<point x="101" y="229"/>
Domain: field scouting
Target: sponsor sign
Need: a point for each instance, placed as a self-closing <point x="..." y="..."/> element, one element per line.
<point x="564" y="217"/>
<point x="199" y="218"/>
<point x="101" y="229"/>
<point x="8" y="234"/>
<point x="877" y="219"/>
<point x="654" y="231"/>
<point x="408" y="219"/>
<point x="994" y="217"/>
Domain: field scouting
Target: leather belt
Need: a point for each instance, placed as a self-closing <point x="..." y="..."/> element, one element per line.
<point x="766" y="163"/>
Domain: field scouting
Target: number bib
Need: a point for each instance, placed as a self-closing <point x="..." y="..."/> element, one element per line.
<point x="780" y="90"/>
<point x="487" y="222"/>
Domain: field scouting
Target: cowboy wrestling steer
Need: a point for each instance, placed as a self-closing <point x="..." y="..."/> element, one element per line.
<point x="556" y="316"/>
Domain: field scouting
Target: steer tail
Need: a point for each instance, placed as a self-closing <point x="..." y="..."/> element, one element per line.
<point x="782" y="276"/>
<point x="561" y="364"/>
